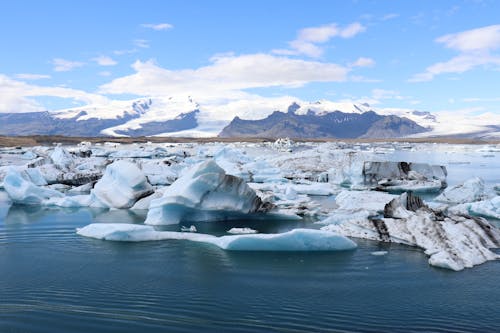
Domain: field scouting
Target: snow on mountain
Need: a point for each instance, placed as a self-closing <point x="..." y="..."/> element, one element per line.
<point x="155" y="109"/>
<point x="324" y="106"/>
<point x="183" y="116"/>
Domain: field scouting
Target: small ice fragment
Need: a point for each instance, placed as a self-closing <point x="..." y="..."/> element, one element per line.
<point x="241" y="231"/>
<point x="378" y="253"/>
<point x="190" y="229"/>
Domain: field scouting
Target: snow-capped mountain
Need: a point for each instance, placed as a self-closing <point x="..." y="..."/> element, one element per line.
<point x="183" y="116"/>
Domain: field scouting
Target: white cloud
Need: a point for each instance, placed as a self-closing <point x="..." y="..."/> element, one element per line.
<point x="474" y="48"/>
<point x="308" y="38"/>
<point x="17" y="96"/>
<point x="63" y="65"/>
<point x="363" y="62"/>
<point x="105" y="73"/>
<point x="104" y="61"/>
<point x="226" y="77"/>
<point x="158" y="27"/>
<point x="459" y="64"/>
<point x="142" y="43"/>
<point x="27" y="76"/>
<point x="389" y="16"/>
<point x="485" y="38"/>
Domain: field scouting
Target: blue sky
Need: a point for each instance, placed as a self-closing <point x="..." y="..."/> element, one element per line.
<point x="426" y="55"/>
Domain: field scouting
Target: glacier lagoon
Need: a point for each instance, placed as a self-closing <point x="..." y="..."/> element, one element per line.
<point x="53" y="280"/>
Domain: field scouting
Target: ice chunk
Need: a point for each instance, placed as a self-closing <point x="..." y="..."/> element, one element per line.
<point x="61" y="158"/>
<point x="451" y="241"/>
<point x="143" y="204"/>
<point x="190" y="229"/>
<point x="22" y="191"/>
<point x="121" y="186"/>
<point x="403" y="176"/>
<point x="378" y="253"/>
<point x="295" y="240"/>
<point x="29" y="155"/>
<point x="240" y="231"/>
<point x="487" y="208"/>
<point x="70" y="201"/>
<point x="373" y="201"/>
<point x="470" y="191"/>
<point x="204" y="193"/>
<point x="35" y="176"/>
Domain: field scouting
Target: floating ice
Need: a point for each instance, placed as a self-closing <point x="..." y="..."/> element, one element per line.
<point x="61" y="158"/>
<point x="487" y="208"/>
<point x="241" y="231"/>
<point x="22" y="191"/>
<point x="470" y="191"/>
<point x="121" y="186"/>
<point x="451" y="241"/>
<point x="295" y="240"/>
<point x="403" y="176"/>
<point x="373" y="201"/>
<point x="204" y="193"/>
<point x="378" y="253"/>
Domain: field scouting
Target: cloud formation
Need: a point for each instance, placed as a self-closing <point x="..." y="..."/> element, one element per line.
<point x="17" y="96"/>
<point x="158" y="26"/>
<point x="308" y="39"/>
<point x="226" y="75"/>
<point x="63" y="65"/>
<point x="104" y="61"/>
<point x="475" y="49"/>
<point x="31" y="77"/>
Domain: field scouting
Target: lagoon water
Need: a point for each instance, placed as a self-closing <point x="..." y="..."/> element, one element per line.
<point x="52" y="280"/>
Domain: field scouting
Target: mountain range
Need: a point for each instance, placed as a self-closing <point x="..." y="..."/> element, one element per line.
<point x="182" y="116"/>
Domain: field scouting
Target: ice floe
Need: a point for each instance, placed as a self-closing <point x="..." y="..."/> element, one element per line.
<point x="294" y="240"/>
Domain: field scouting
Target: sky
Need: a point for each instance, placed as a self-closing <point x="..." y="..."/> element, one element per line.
<point x="437" y="56"/>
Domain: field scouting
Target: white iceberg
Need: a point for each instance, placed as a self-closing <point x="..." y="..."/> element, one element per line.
<point x="121" y="186"/>
<point x="469" y="191"/>
<point x="294" y="240"/>
<point x="451" y="241"/>
<point x="22" y="191"/>
<point x="204" y="193"/>
<point x="62" y="158"/>
<point x="487" y="208"/>
<point x="373" y="201"/>
<point x="403" y="176"/>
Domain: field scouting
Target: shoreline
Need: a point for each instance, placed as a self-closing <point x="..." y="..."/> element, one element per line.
<point x="48" y="140"/>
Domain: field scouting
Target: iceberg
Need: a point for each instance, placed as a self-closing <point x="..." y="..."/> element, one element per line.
<point x="22" y="191"/>
<point x="121" y="186"/>
<point x="61" y="158"/>
<point x="205" y="193"/>
<point x="373" y="201"/>
<point x="487" y="208"/>
<point x="451" y="241"/>
<point x="469" y="191"/>
<point x="294" y="240"/>
<point x="403" y="176"/>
